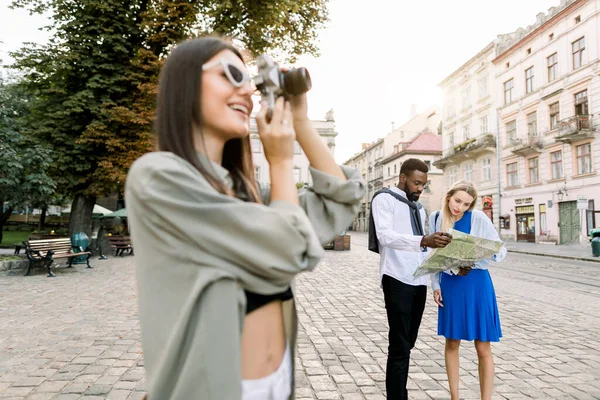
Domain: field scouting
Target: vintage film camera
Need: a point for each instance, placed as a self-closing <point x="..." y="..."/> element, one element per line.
<point x="272" y="82"/>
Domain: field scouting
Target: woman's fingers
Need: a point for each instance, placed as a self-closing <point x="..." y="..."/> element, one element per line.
<point x="261" y="117"/>
<point x="277" y="117"/>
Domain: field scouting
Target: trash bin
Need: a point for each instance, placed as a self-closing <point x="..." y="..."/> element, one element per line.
<point x="80" y="239"/>
<point x="595" y="242"/>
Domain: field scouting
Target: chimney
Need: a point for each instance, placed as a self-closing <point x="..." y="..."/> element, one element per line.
<point x="365" y="145"/>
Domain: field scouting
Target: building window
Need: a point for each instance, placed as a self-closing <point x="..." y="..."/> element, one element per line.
<point x="554" y="115"/>
<point x="469" y="172"/>
<point x="452" y="176"/>
<point x="543" y="225"/>
<point x="550" y="37"/>
<point x="483" y="88"/>
<point x="465" y="98"/>
<point x="297" y="175"/>
<point x="257" y="173"/>
<point x="512" y="174"/>
<point x="581" y="103"/>
<point x="534" y="170"/>
<point x="508" y="91"/>
<point x="297" y="149"/>
<point x="389" y="171"/>
<point x="529" y="80"/>
<point x="529" y="51"/>
<point x="577" y="19"/>
<point x="584" y="158"/>
<point x="532" y="124"/>
<point x="556" y="164"/>
<point x="256" y="145"/>
<point x="578" y="53"/>
<point x="486" y="169"/>
<point x="511" y="132"/>
<point x="483" y="125"/>
<point x="395" y="169"/>
<point x="467" y="132"/>
<point x="552" y="63"/>
<point x="451" y="139"/>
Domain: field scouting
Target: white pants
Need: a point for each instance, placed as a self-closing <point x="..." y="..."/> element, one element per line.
<point x="277" y="386"/>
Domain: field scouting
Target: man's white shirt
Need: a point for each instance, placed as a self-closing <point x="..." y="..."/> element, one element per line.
<point x="399" y="248"/>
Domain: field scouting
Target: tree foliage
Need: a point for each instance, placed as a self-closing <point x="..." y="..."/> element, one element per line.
<point x="23" y="162"/>
<point x="94" y="83"/>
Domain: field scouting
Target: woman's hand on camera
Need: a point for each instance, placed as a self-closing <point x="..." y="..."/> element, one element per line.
<point x="277" y="136"/>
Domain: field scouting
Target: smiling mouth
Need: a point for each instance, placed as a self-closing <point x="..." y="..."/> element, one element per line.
<point x="240" y="108"/>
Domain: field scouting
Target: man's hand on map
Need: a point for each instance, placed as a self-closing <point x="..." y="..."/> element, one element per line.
<point x="437" y="239"/>
<point x="437" y="297"/>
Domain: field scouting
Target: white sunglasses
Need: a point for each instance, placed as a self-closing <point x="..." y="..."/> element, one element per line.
<point x="236" y="76"/>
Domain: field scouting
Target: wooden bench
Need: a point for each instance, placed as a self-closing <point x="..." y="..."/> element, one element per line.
<point x="46" y="251"/>
<point x="38" y="236"/>
<point x="120" y="244"/>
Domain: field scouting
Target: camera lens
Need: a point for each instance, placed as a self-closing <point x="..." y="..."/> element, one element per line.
<point x="297" y="81"/>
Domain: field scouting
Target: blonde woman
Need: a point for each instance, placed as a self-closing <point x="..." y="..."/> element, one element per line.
<point x="467" y="301"/>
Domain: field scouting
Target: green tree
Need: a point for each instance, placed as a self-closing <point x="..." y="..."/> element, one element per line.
<point x="95" y="81"/>
<point x="23" y="163"/>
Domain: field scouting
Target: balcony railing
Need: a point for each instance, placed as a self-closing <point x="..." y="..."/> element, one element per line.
<point x="575" y="128"/>
<point x="472" y="146"/>
<point x="526" y="146"/>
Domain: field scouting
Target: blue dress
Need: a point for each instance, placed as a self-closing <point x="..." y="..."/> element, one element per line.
<point x="470" y="309"/>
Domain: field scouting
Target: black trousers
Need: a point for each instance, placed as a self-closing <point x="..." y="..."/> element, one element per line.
<point x="404" y="305"/>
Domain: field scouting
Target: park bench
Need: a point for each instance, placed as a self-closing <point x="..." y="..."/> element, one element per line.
<point x="38" y="236"/>
<point x="120" y="244"/>
<point x="46" y="251"/>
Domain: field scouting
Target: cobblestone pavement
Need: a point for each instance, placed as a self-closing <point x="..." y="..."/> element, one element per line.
<point x="77" y="336"/>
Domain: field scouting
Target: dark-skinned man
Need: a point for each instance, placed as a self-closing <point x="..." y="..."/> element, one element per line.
<point x="399" y="237"/>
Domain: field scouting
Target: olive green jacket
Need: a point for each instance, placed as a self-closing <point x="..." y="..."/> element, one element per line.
<point x="197" y="251"/>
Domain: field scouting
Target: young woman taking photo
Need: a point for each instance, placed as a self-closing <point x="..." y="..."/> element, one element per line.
<point x="216" y="252"/>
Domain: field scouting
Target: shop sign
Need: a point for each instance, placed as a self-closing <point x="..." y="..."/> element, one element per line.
<point x="525" y="200"/>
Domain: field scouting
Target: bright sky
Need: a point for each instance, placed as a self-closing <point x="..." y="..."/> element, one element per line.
<point x="377" y="57"/>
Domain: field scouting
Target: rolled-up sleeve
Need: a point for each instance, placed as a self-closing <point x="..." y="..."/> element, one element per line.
<point x="274" y="242"/>
<point x="330" y="203"/>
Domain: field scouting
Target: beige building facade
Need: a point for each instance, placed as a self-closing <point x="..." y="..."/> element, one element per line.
<point x="548" y="91"/>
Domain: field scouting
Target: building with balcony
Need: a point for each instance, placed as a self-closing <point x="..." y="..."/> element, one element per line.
<point x="548" y="94"/>
<point x="469" y="127"/>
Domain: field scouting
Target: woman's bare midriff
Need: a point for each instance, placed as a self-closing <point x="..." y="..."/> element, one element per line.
<point x="263" y="341"/>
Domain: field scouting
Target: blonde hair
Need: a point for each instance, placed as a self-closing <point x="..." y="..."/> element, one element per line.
<point x="460" y="186"/>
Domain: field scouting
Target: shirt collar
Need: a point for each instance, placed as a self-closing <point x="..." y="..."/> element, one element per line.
<point x="219" y="171"/>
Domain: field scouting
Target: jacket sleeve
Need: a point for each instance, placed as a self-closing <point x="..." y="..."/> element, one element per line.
<point x="273" y="242"/>
<point x="330" y="203"/>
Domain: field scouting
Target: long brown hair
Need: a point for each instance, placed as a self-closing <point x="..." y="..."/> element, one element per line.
<point x="178" y="108"/>
<point x="464" y="186"/>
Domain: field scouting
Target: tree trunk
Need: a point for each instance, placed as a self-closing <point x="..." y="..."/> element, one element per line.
<point x="42" y="222"/>
<point x="81" y="214"/>
<point x="4" y="216"/>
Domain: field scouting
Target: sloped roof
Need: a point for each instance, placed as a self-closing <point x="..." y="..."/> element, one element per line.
<point x="425" y="142"/>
